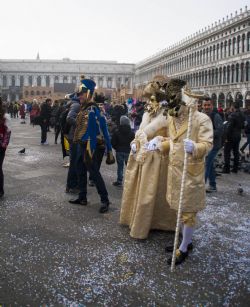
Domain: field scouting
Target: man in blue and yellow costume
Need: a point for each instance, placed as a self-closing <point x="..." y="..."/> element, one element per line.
<point x="92" y="138"/>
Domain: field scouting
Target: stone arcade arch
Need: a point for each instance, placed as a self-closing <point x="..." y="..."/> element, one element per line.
<point x="221" y="99"/>
<point x="229" y="99"/>
<point x="247" y="99"/>
<point x="214" y="99"/>
<point x="239" y="98"/>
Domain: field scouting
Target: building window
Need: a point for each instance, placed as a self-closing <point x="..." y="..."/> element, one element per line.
<point x="216" y="76"/>
<point x="247" y="71"/>
<point x="229" y="47"/>
<point x="38" y="93"/>
<point x="238" y="44"/>
<point x="65" y="79"/>
<point x="30" y="81"/>
<point x="21" y="81"/>
<point x="4" y="81"/>
<point x="220" y="75"/>
<point x="232" y="74"/>
<point x="243" y="43"/>
<point x="237" y="73"/>
<point x="32" y="93"/>
<point x="47" y="81"/>
<point x="248" y="41"/>
<point x="221" y="50"/>
<point x="26" y="93"/>
<point x="228" y="74"/>
<point x="225" y="49"/>
<point x="242" y="72"/>
<point x="13" y="81"/>
<point x="234" y="46"/>
<point x="39" y="81"/>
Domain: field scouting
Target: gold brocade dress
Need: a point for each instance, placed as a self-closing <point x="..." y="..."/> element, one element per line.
<point x="144" y="204"/>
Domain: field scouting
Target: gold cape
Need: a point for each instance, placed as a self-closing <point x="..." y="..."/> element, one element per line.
<point x="144" y="204"/>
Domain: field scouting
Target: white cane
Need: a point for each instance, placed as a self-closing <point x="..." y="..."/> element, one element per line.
<point x="183" y="180"/>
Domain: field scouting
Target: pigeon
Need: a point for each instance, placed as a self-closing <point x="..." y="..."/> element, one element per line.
<point x="22" y="151"/>
<point x="240" y="190"/>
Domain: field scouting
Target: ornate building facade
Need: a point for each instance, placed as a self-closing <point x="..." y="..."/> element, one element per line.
<point x="214" y="60"/>
<point x="15" y="75"/>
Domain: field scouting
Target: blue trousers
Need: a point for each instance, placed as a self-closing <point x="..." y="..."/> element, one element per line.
<point x="121" y="159"/>
<point x="72" y="181"/>
<point x="210" y="168"/>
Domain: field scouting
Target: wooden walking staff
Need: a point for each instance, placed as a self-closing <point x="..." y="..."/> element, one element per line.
<point x="190" y="102"/>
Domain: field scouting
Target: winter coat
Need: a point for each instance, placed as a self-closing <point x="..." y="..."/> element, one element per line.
<point x="4" y="134"/>
<point x="235" y="125"/>
<point x="202" y="136"/>
<point x="121" y="138"/>
<point x="218" y="129"/>
<point x="45" y="112"/>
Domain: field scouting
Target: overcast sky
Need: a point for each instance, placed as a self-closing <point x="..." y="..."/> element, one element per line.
<point x="121" y="30"/>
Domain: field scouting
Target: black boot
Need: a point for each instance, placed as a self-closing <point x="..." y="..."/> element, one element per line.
<point x="170" y="248"/>
<point x="104" y="207"/>
<point x="180" y="257"/>
<point x="79" y="202"/>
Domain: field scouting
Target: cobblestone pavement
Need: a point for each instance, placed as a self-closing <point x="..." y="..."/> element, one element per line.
<point x="56" y="254"/>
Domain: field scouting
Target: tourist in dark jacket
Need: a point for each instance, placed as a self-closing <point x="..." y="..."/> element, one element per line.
<point x="72" y="180"/>
<point x="210" y="174"/>
<point x="233" y="136"/>
<point x="44" y="120"/>
<point x="120" y="141"/>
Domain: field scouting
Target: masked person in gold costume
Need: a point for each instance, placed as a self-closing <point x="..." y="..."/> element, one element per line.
<point x="144" y="204"/>
<point x="197" y="146"/>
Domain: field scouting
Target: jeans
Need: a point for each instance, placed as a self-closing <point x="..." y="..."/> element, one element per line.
<point x="232" y="145"/>
<point x="210" y="168"/>
<point x="2" y="155"/>
<point x="93" y="168"/>
<point x="121" y="158"/>
<point x="247" y="143"/>
<point x="44" y="132"/>
<point x="72" y="174"/>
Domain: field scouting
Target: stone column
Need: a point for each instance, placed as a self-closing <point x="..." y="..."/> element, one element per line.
<point x="8" y="97"/>
<point x="17" y="80"/>
<point x="51" y="80"/>
<point x="43" y="81"/>
<point x="25" y="80"/>
<point x="17" y="97"/>
<point x="113" y="82"/>
<point x="34" y="80"/>
<point x="104" y="82"/>
<point x="60" y="79"/>
<point x="8" y="80"/>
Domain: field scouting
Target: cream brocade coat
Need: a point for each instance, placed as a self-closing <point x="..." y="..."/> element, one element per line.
<point x="202" y="135"/>
<point x="144" y="204"/>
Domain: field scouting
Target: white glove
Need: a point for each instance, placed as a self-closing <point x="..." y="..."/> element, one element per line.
<point x="188" y="146"/>
<point x="154" y="144"/>
<point x="133" y="148"/>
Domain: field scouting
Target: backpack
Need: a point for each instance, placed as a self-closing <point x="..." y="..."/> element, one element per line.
<point x="63" y="122"/>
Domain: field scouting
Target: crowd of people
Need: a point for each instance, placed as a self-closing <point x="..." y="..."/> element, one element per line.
<point x="148" y="138"/>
